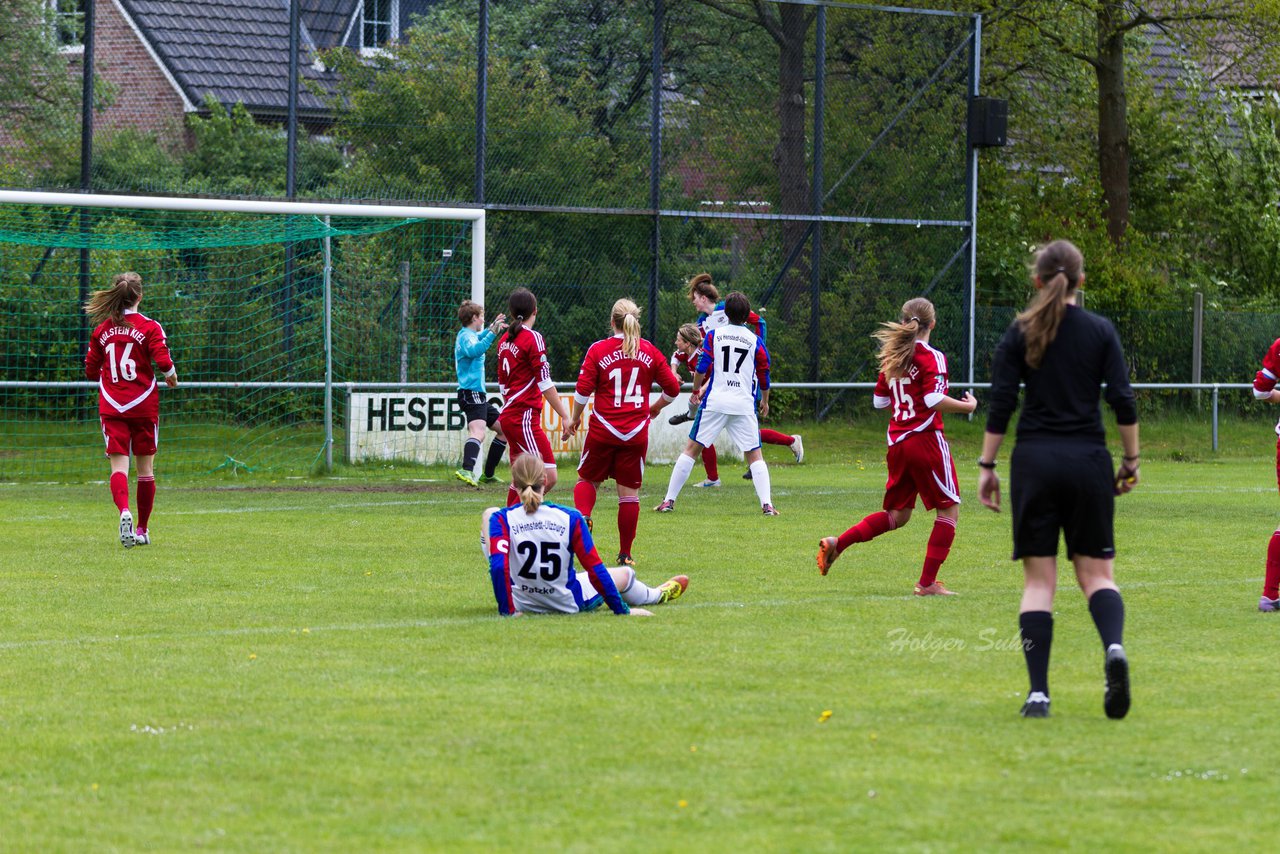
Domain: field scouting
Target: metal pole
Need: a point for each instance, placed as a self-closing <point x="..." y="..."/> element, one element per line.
<point x="655" y="163"/>
<point x="86" y="162"/>
<point x="1215" y="418"/>
<point x="404" y="321"/>
<point x="328" y="349"/>
<point x="290" y="180"/>
<point x="815" y="261"/>
<point x="975" y="68"/>
<point x="482" y="98"/>
<point x="1197" y="340"/>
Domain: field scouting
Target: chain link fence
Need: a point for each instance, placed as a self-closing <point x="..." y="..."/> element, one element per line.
<point x="812" y="155"/>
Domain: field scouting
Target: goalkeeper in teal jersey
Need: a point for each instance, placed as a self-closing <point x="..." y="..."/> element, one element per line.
<point x="468" y="357"/>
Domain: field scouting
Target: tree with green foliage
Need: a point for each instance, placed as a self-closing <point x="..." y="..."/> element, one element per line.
<point x="39" y="92"/>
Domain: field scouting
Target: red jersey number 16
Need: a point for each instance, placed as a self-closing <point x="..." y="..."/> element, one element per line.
<point x="904" y="408"/>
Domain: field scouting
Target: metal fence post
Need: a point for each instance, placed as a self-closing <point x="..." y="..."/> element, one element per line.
<point x="971" y="177"/>
<point x="404" y="321"/>
<point x="815" y="260"/>
<point x="655" y="164"/>
<point x="328" y="349"/>
<point x="1215" y="417"/>
<point x="1197" y="340"/>
<point x="482" y="98"/>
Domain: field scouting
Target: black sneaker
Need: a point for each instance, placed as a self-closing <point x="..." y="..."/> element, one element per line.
<point x="1116" y="700"/>
<point x="747" y="475"/>
<point x="625" y="559"/>
<point x="1036" y="706"/>
<point x="679" y="419"/>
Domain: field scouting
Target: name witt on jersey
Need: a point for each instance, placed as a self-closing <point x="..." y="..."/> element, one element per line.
<point x="618" y="356"/>
<point x="122" y="330"/>
<point x="539" y="525"/>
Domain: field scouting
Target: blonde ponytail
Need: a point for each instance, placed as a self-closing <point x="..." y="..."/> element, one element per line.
<point x="626" y="319"/>
<point x="898" y="340"/>
<point x="1059" y="268"/>
<point x="528" y="474"/>
<point x="125" y="292"/>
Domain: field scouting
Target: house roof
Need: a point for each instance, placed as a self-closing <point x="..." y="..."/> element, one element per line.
<point x="238" y="50"/>
<point x="327" y="20"/>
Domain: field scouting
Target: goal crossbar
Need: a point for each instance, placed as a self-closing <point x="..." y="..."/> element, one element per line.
<point x="476" y="216"/>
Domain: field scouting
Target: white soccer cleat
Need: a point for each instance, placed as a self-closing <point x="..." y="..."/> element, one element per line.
<point x="708" y="483"/>
<point x="141" y="538"/>
<point x="127" y="538"/>
<point x="797" y="448"/>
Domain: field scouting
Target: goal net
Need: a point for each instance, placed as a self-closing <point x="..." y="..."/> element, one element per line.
<point x="304" y="334"/>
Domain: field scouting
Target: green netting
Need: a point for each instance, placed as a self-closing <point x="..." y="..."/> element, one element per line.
<point x="242" y="301"/>
<point x="119" y="229"/>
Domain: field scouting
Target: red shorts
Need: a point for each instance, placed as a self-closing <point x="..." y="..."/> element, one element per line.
<point x="525" y="435"/>
<point x="624" y="463"/>
<point x="124" y="435"/>
<point x="921" y="465"/>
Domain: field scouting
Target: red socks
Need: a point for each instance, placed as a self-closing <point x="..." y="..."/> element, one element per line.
<point x="940" y="540"/>
<point x="584" y="497"/>
<point x="628" y="519"/>
<point x="773" y="437"/>
<point x="1271" y="587"/>
<point x="146" y="500"/>
<point x="709" y="462"/>
<point x="120" y="490"/>
<point x="868" y="529"/>
<point x="513" y="497"/>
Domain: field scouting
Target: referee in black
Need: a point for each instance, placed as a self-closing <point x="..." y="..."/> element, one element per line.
<point x="1061" y="470"/>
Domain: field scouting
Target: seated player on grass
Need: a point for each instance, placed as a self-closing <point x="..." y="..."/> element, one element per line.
<point x="531" y="547"/>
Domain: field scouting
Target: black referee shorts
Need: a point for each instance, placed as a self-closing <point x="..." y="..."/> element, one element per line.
<point x="477" y="407"/>
<point x="1067" y="486"/>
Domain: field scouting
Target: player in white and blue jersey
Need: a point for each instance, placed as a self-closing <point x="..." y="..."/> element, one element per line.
<point x="738" y="364"/>
<point x="531" y="547"/>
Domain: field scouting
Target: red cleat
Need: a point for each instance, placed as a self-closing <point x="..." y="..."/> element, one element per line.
<point x="934" y="589"/>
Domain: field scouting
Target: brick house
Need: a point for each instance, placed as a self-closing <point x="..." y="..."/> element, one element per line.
<point x="160" y="59"/>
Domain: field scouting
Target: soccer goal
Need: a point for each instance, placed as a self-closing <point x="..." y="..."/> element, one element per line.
<point x="303" y="333"/>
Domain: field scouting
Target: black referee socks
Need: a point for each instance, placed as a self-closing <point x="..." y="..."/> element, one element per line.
<point x="1037" y="638"/>
<point x="1107" y="609"/>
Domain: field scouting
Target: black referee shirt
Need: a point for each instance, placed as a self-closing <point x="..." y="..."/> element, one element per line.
<point x="1062" y="394"/>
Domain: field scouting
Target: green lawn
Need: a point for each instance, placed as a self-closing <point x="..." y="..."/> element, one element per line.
<point x="304" y="665"/>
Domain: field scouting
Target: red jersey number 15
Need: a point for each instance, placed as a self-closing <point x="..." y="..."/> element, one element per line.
<point x="904" y="408"/>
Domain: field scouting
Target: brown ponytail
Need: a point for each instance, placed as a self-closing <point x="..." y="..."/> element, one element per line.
<point x="125" y="292"/>
<point x="898" y="340"/>
<point x="528" y="474"/>
<point x="701" y="284"/>
<point x="1059" y="268"/>
<point x="626" y="319"/>
<point x="521" y="306"/>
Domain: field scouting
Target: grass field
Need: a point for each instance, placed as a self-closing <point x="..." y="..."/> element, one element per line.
<point x="306" y="665"/>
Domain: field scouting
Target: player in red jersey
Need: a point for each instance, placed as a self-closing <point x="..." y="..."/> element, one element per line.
<point x="706" y="299"/>
<point x="688" y="347"/>
<point x="121" y="350"/>
<point x="524" y="378"/>
<point x="1264" y="388"/>
<point x="913" y="380"/>
<point x="619" y="371"/>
